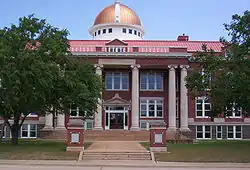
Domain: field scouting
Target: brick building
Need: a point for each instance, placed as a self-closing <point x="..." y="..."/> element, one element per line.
<point x="145" y="83"/>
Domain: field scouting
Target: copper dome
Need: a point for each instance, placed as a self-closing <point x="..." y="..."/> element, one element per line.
<point x="127" y="16"/>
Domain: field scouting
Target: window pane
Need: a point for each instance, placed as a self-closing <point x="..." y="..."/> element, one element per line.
<point x="207" y="128"/>
<point x="230" y="135"/>
<point x="199" y="101"/>
<point x="33" y="127"/>
<point x="33" y="134"/>
<point x="207" y="135"/>
<point x="109" y="82"/>
<point x="238" y="135"/>
<point x="151" y="81"/>
<point x="159" y="107"/>
<point x="199" y="128"/>
<point x="159" y="81"/>
<point x="151" y="113"/>
<point x="143" y="86"/>
<point x="144" y="107"/>
<point x="238" y="128"/>
<point x="117" y="82"/>
<point x="159" y="114"/>
<point x="199" y="113"/>
<point x="152" y="107"/>
<point x="207" y="113"/>
<point x="143" y="101"/>
<point x="198" y="107"/>
<point x="230" y="128"/>
<point x="143" y="113"/>
<point x="25" y="134"/>
<point x="199" y="135"/>
<point x="207" y="107"/>
<point x="218" y="128"/>
<point x="218" y="135"/>
<point x="124" y="81"/>
<point x="24" y="127"/>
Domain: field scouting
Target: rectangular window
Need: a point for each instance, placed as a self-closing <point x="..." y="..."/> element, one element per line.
<point x="130" y="31"/>
<point x="124" y="30"/>
<point x="117" y="81"/>
<point x="99" y="32"/>
<point x="234" y="132"/>
<point x="234" y="111"/>
<point x="95" y="33"/>
<point x="151" y="81"/>
<point x="110" y="30"/>
<point x="139" y="34"/>
<point x="135" y="32"/>
<point x="104" y="31"/>
<point x="151" y="108"/>
<point x="203" y="107"/>
<point x="203" y="132"/>
<point x="218" y="132"/>
<point x="29" y="131"/>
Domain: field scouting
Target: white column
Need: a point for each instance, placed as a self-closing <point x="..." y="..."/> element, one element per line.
<point x="48" y="121"/>
<point x="60" y="125"/>
<point x="98" y="113"/>
<point x="135" y="97"/>
<point x="184" y="99"/>
<point x="172" y="98"/>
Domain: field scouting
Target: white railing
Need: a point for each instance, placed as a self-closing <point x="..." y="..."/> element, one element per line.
<point x="121" y="49"/>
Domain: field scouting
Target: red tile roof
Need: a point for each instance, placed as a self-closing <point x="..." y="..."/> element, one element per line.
<point x="192" y="46"/>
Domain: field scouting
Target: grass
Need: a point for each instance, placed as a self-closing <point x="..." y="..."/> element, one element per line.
<point x="206" y="151"/>
<point x="37" y="150"/>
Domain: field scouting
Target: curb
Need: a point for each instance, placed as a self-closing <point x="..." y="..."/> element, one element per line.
<point x="126" y="164"/>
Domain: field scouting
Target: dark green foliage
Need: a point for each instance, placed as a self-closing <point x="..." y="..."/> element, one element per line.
<point x="38" y="76"/>
<point x="230" y="82"/>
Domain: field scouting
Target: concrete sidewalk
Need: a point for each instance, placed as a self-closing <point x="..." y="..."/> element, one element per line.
<point x="126" y="163"/>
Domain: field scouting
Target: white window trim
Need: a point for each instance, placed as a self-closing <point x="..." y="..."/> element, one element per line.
<point x="221" y="132"/>
<point x="113" y="82"/>
<point x="204" y="132"/>
<point x="234" y="133"/>
<point x="155" y="105"/>
<point x="203" y="107"/>
<point x="155" y="83"/>
<point x="28" y="137"/>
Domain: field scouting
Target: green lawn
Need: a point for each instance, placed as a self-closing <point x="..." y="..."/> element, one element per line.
<point x="206" y="151"/>
<point x="37" y="150"/>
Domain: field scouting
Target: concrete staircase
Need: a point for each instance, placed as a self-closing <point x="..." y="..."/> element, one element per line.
<point x="117" y="135"/>
<point x="116" y="156"/>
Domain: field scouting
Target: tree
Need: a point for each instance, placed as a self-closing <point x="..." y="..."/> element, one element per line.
<point x="37" y="74"/>
<point x="225" y="79"/>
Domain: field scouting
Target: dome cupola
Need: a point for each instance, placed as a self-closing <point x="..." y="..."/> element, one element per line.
<point x="117" y="21"/>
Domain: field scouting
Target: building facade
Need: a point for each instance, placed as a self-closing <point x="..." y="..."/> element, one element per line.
<point x="145" y="83"/>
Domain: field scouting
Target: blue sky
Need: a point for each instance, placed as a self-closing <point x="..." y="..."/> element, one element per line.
<point x="162" y="19"/>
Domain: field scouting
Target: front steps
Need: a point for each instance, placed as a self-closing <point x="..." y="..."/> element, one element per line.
<point x="116" y="156"/>
<point x="116" y="135"/>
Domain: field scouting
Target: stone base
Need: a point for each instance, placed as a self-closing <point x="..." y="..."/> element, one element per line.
<point x="173" y="129"/>
<point x="60" y="129"/>
<point x="74" y="149"/>
<point x="97" y="128"/>
<point x="158" y="149"/>
<point x="47" y="128"/>
<point x="185" y="129"/>
<point x="135" y="129"/>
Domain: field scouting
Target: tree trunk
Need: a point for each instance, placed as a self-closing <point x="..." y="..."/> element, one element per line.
<point x="14" y="134"/>
<point x="15" y="130"/>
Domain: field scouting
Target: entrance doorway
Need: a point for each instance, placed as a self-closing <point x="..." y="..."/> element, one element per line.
<point x="116" y="118"/>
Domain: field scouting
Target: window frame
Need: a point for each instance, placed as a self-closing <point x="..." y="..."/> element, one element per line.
<point x="124" y="30"/>
<point x="110" y="30"/>
<point x="157" y="102"/>
<point x="204" y="132"/>
<point x="235" y="132"/>
<point x="219" y="132"/>
<point x="121" y="75"/>
<point x="28" y="132"/>
<point x="203" y="107"/>
<point x="130" y="31"/>
<point x="147" y="74"/>
<point x="99" y="32"/>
